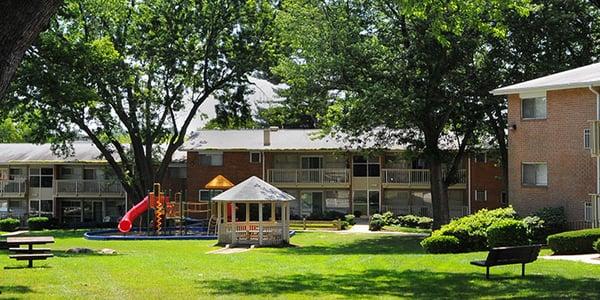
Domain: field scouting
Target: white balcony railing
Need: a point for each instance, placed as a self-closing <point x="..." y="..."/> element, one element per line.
<point x="415" y="176"/>
<point x="318" y="176"/>
<point x="12" y="188"/>
<point x="79" y="187"/>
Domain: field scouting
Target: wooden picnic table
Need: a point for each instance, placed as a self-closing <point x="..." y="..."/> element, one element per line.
<point x="29" y="253"/>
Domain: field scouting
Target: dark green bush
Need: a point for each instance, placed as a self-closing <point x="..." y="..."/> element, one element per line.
<point x="535" y="229"/>
<point x="574" y="242"/>
<point x="425" y="223"/>
<point x="441" y="244"/>
<point x="409" y="221"/>
<point x="350" y="219"/>
<point x="555" y="220"/>
<point x="357" y="213"/>
<point x="471" y="230"/>
<point x="376" y="223"/>
<point x="9" y="224"/>
<point x="507" y="232"/>
<point x="597" y="245"/>
<point x="344" y="225"/>
<point x="389" y="218"/>
<point x="37" y="223"/>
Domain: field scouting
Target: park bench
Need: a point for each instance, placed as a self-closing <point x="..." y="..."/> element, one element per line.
<point x="29" y="253"/>
<point x="509" y="256"/>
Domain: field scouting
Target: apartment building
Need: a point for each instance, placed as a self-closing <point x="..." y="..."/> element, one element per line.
<point x="324" y="174"/>
<point x="552" y="126"/>
<point x="77" y="190"/>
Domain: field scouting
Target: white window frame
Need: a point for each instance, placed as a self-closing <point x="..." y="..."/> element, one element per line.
<point x="259" y="157"/>
<point x="523" y="173"/>
<point x="211" y="154"/>
<point x="484" y="195"/>
<point x="587" y="139"/>
<point x="211" y="192"/>
<point x="530" y="98"/>
<point x="585" y="208"/>
<point x="321" y="157"/>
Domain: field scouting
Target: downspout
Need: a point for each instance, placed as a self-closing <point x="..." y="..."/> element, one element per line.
<point x="469" y="183"/>
<point x="595" y="204"/>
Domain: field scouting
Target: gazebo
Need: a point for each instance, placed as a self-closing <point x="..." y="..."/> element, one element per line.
<point x="246" y="214"/>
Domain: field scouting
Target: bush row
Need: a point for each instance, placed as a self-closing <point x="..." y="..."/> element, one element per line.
<point x="34" y="223"/>
<point x="378" y="221"/>
<point x="574" y="242"/>
<point x="9" y="224"/>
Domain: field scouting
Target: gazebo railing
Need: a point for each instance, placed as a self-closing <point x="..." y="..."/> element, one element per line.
<point x="249" y="233"/>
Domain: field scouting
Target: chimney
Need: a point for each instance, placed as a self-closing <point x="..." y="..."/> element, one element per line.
<point x="267" y="136"/>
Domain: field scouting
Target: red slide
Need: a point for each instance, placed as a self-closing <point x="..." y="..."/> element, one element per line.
<point x="127" y="220"/>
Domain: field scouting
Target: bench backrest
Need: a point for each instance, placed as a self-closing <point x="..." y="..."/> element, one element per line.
<point x="517" y="254"/>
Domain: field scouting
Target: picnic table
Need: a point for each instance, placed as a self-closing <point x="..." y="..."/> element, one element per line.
<point x="29" y="253"/>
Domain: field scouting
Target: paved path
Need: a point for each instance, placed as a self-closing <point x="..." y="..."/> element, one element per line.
<point x="360" y="228"/>
<point x="585" y="258"/>
<point x="14" y="233"/>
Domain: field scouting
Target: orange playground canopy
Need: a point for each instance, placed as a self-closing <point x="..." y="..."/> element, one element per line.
<point x="219" y="183"/>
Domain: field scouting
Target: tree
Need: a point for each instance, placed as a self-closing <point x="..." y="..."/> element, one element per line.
<point x="21" y="22"/>
<point x="403" y="68"/>
<point x="536" y="45"/>
<point x="233" y="110"/>
<point x="139" y="69"/>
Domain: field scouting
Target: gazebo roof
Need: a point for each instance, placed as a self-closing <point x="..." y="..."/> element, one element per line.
<point x="254" y="189"/>
<point x="219" y="183"/>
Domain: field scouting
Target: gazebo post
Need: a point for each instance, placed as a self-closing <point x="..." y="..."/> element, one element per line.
<point x="287" y="222"/>
<point x="218" y="217"/>
<point x="282" y="220"/>
<point x="233" y="222"/>
<point x="273" y="207"/>
<point x="260" y="224"/>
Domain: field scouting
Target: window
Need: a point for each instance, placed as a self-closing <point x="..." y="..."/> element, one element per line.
<point x="311" y="203"/>
<point x="255" y="157"/>
<point x="214" y="159"/>
<point x="4" y="206"/>
<point x="206" y="195"/>
<point x="363" y="167"/>
<point x="41" y="177"/>
<point x="586" y="138"/>
<point x="14" y="174"/>
<point x="587" y="213"/>
<point x="89" y="174"/>
<point x="480" y="195"/>
<point x="480" y="157"/>
<point x="503" y="198"/>
<point x="65" y="171"/>
<point x="535" y="174"/>
<point x="41" y="207"/>
<point x="311" y="162"/>
<point x="178" y="172"/>
<point x="534" y="108"/>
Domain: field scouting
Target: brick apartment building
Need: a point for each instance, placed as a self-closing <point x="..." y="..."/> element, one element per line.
<point x="550" y="122"/>
<point x="77" y="190"/>
<point x="326" y="175"/>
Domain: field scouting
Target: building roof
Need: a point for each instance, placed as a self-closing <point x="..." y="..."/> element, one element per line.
<point x="84" y="152"/>
<point x="253" y="189"/>
<point x="253" y="139"/>
<point x="575" y="78"/>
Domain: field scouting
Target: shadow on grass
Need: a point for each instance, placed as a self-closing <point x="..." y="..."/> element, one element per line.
<point x="24" y="266"/>
<point x="413" y="284"/>
<point x="381" y="244"/>
<point x="15" y="289"/>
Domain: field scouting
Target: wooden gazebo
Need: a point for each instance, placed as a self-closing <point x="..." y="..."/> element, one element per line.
<point x="246" y="214"/>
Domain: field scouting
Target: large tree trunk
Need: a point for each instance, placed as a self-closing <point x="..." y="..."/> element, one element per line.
<point x="20" y="24"/>
<point x="439" y="195"/>
<point x="498" y="125"/>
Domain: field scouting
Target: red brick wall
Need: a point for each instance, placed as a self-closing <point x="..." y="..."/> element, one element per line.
<point x="557" y="140"/>
<point x="236" y="167"/>
<point x="486" y="176"/>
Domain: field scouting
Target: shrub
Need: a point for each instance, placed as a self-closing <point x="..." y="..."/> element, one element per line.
<point x="471" y="230"/>
<point x="535" y="229"/>
<point x="357" y="213"/>
<point x="389" y="218"/>
<point x="555" y="220"/>
<point x="425" y="223"/>
<point x="37" y="223"/>
<point x="597" y="245"/>
<point x="507" y="232"/>
<point x="409" y="221"/>
<point x="376" y="222"/>
<point x="344" y="225"/>
<point x="574" y="242"/>
<point x="350" y="219"/>
<point x="9" y="224"/>
<point x="441" y="244"/>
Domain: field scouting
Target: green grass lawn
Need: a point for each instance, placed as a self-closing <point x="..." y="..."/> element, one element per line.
<point x="324" y="265"/>
<point x="397" y="228"/>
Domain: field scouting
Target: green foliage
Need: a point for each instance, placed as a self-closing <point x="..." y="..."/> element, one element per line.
<point x="507" y="232"/>
<point x="425" y="223"/>
<point x="38" y="223"/>
<point x="574" y="242"/>
<point x="351" y="219"/>
<point x="409" y="220"/>
<point x="471" y="230"/>
<point x="344" y="225"/>
<point x="555" y="220"/>
<point x="376" y="223"/>
<point x="388" y="218"/>
<point x="9" y="224"/>
<point x="535" y="229"/>
<point x="441" y="244"/>
<point x="233" y="110"/>
<point x="597" y="245"/>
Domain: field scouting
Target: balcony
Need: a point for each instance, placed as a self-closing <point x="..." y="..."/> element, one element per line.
<point x="309" y="177"/>
<point x="87" y="188"/>
<point x="595" y="138"/>
<point x="414" y="177"/>
<point x="12" y="188"/>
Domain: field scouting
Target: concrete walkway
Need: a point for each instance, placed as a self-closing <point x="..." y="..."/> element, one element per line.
<point x="14" y="233"/>
<point x="585" y="258"/>
<point x="361" y="228"/>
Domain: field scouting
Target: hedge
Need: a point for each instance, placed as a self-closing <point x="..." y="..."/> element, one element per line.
<point x="574" y="242"/>
<point x="597" y="245"/>
<point x="38" y="223"/>
<point x="507" y="232"/>
<point x="441" y="244"/>
<point x="376" y="223"/>
<point x="9" y="224"/>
